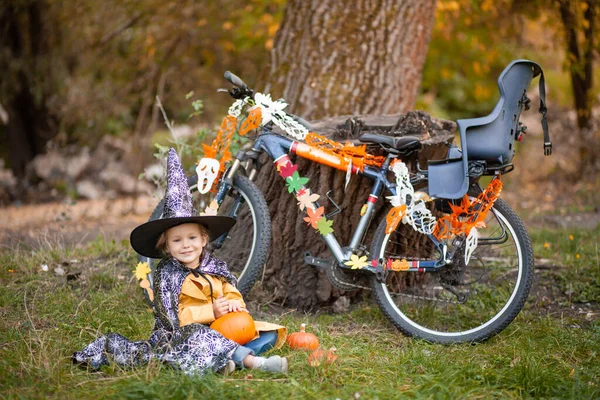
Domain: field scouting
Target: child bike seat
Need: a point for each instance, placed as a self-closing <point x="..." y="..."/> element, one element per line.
<point x="491" y="138"/>
<point x="404" y="144"/>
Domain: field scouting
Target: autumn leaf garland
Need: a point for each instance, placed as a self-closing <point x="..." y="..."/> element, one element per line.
<point x="295" y="184"/>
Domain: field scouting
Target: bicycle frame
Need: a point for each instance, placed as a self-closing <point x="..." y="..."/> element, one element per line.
<point x="278" y="148"/>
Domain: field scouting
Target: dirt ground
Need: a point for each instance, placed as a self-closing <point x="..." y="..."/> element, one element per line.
<point x="72" y="222"/>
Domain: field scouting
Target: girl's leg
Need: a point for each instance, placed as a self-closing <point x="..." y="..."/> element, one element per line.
<point x="264" y="342"/>
<point x="240" y="355"/>
<point x="243" y="358"/>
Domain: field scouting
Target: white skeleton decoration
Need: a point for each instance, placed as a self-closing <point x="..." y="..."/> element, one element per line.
<point x="417" y="214"/>
<point x="236" y="108"/>
<point x="207" y="170"/>
<point x="271" y="111"/>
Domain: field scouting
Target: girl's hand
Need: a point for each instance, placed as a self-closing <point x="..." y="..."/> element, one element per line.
<point x="220" y="307"/>
<point x="236" y="305"/>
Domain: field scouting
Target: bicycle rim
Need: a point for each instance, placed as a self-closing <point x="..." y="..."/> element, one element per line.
<point x="239" y="247"/>
<point x="496" y="283"/>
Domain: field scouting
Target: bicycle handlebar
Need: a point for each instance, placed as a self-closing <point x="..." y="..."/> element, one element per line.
<point x="235" y="80"/>
<point x="241" y="90"/>
<point x="302" y="121"/>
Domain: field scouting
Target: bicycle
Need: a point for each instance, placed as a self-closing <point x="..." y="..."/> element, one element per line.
<point x="474" y="275"/>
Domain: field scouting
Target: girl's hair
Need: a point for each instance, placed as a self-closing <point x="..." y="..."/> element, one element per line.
<point x="161" y="243"/>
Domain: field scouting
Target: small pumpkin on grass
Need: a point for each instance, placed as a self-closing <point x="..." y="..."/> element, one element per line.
<point x="317" y="357"/>
<point x="237" y="326"/>
<point x="303" y="340"/>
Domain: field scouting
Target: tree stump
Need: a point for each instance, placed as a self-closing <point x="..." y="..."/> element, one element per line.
<point x="287" y="278"/>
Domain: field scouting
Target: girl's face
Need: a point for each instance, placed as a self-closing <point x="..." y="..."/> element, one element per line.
<point x="185" y="242"/>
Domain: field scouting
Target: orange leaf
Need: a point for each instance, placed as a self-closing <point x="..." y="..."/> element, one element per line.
<point x="314" y="216"/>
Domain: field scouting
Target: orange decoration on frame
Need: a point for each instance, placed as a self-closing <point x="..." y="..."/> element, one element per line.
<point x="400" y="265"/>
<point x="394" y="217"/>
<point x="346" y="152"/>
<point x="219" y="149"/>
<point x="472" y="214"/>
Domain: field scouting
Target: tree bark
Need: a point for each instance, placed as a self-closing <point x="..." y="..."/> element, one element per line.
<point x="580" y="38"/>
<point x="580" y="49"/>
<point x="25" y="46"/>
<point x="334" y="58"/>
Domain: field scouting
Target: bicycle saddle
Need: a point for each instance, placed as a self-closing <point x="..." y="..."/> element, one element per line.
<point x="404" y="144"/>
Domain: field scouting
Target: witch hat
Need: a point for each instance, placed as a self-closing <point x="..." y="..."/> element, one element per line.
<point x="178" y="209"/>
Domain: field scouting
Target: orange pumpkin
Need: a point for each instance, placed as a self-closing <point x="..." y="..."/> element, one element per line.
<point x="237" y="326"/>
<point x="316" y="357"/>
<point x="303" y="340"/>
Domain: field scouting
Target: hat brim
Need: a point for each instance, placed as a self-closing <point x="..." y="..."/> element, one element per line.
<point x="144" y="237"/>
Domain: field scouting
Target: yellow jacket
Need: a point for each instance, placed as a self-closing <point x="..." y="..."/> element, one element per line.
<point x="196" y="306"/>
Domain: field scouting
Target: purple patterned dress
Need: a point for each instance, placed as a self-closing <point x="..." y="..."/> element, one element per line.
<point x="193" y="348"/>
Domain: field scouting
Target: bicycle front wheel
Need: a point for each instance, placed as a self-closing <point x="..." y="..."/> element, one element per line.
<point x="460" y="303"/>
<point x="245" y="248"/>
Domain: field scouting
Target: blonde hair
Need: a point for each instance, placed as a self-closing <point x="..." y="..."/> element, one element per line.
<point x="161" y="242"/>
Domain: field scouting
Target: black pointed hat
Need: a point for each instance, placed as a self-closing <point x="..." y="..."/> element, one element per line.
<point x="178" y="209"/>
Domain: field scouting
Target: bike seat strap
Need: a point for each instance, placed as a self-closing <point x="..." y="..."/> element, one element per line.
<point x="404" y="144"/>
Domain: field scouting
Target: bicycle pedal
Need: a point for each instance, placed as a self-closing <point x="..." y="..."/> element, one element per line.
<point x="320" y="263"/>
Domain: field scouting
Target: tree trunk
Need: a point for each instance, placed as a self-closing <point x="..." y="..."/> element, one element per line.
<point x="333" y="58"/>
<point x="25" y="59"/>
<point x="579" y="37"/>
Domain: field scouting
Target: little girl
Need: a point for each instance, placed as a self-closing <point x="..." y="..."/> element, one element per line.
<point x="192" y="288"/>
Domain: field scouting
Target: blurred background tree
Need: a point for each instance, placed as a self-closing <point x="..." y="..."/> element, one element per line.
<point x="78" y="70"/>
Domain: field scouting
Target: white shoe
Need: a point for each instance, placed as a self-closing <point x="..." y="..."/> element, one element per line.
<point x="272" y="364"/>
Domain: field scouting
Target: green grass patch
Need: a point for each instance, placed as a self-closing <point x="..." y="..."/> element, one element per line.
<point x="572" y="259"/>
<point x="47" y="316"/>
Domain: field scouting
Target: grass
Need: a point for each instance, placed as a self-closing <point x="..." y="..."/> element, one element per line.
<point x="574" y="260"/>
<point x="548" y="352"/>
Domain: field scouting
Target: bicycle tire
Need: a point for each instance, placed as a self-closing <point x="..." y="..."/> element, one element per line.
<point x="498" y="277"/>
<point x="247" y="258"/>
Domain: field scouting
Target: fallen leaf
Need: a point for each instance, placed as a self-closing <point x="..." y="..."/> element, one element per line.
<point x="515" y="361"/>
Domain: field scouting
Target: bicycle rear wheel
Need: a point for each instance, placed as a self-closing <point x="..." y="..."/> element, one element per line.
<point x="495" y="284"/>
<point x="245" y="249"/>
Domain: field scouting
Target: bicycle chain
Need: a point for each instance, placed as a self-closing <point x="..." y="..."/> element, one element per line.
<point x="342" y="284"/>
<point x="411" y="296"/>
<point x="414" y="296"/>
